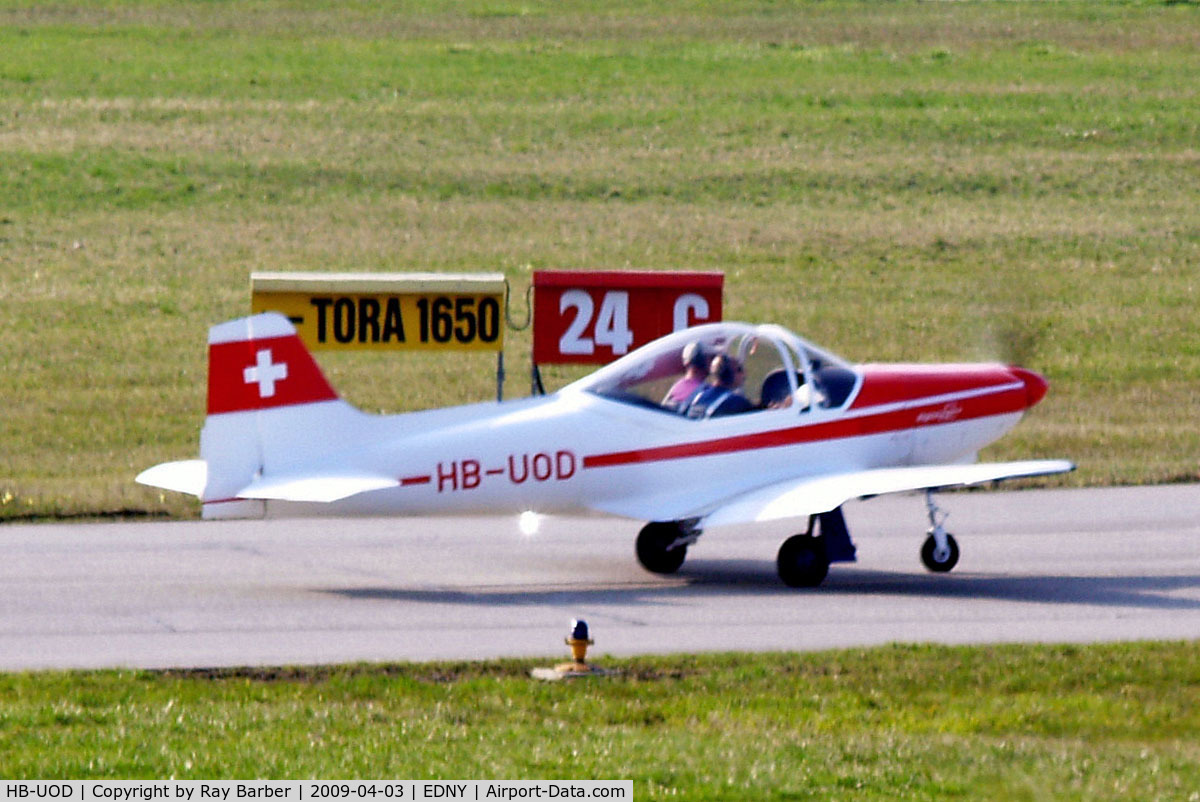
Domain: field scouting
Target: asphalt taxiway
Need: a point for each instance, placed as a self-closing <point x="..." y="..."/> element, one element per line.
<point x="1037" y="566"/>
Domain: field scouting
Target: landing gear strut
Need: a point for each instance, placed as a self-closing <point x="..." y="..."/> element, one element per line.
<point x="662" y="545"/>
<point x="940" y="550"/>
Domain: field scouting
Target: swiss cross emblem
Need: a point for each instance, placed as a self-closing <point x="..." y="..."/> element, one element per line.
<point x="265" y="372"/>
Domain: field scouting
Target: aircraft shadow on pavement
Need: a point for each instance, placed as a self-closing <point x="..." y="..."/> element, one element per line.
<point x="727" y="577"/>
<point x="1147" y="592"/>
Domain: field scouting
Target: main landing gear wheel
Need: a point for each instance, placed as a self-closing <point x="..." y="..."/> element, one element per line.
<point x="662" y="546"/>
<point x="802" y="561"/>
<point x="940" y="560"/>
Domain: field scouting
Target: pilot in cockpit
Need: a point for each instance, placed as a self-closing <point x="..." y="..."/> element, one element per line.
<point x="721" y="395"/>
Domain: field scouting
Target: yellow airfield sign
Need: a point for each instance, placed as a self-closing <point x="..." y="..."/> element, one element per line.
<point x="387" y="311"/>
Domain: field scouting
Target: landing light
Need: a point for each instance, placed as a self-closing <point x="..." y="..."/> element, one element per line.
<point x="529" y="522"/>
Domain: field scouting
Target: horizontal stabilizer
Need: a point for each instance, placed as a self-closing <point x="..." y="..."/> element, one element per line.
<point x="185" y="476"/>
<point x="812" y="496"/>
<point x="314" y="488"/>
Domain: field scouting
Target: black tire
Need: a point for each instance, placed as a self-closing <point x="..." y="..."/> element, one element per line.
<point x="802" y="562"/>
<point x="945" y="565"/>
<point x="652" y="547"/>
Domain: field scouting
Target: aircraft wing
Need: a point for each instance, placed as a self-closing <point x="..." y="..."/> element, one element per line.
<point x="813" y="495"/>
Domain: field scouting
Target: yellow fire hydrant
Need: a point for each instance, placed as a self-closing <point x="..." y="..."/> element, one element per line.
<point x="579" y="642"/>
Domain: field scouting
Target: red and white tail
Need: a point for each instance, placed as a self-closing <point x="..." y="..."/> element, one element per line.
<point x="257" y="363"/>
<point x="270" y="409"/>
<point x="270" y="412"/>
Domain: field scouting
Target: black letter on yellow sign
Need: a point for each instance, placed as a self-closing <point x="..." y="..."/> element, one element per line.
<point x="368" y="317"/>
<point x="393" y="323"/>
<point x="343" y="320"/>
<point x="321" y="304"/>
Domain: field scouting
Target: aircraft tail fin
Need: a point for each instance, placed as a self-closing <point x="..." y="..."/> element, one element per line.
<point x="269" y="407"/>
<point x="259" y="363"/>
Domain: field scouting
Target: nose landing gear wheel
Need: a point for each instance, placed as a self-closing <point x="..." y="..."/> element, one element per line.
<point x="802" y="561"/>
<point x="659" y="548"/>
<point x="940" y="550"/>
<point x="939" y="561"/>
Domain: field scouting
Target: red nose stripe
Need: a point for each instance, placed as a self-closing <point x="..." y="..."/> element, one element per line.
<point x="263" y="374"/>
<point x="890" y="384"/>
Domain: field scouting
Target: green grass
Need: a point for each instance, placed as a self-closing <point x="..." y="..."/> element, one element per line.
<point x="896" y="181"/>
<point x="913" y="722"/>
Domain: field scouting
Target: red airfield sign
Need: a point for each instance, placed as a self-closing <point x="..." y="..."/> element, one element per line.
<point x="593" y="317"/>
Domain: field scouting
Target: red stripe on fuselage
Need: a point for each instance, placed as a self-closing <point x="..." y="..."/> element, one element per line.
<point x="1001" y="402"/>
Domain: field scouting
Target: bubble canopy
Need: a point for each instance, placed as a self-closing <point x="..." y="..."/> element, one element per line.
<point x="777" y="370"/>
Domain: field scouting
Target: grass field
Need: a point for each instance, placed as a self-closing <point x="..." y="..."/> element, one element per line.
<point x="895" y="180"/>
<point x="1016" y="722"/>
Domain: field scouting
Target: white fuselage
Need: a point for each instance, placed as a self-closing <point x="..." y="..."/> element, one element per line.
<point x="574" y="451"/>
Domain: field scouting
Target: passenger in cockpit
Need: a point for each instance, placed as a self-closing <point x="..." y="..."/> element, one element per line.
<point x="695" y="363"/>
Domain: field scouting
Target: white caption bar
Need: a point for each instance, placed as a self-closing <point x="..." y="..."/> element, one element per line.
<point x="309" y="790"/>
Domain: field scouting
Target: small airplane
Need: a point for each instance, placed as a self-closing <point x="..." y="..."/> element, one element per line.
<point x="788" y="431"/>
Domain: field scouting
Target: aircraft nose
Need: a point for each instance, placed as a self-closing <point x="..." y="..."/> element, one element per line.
<point x="1035" y="384"/>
